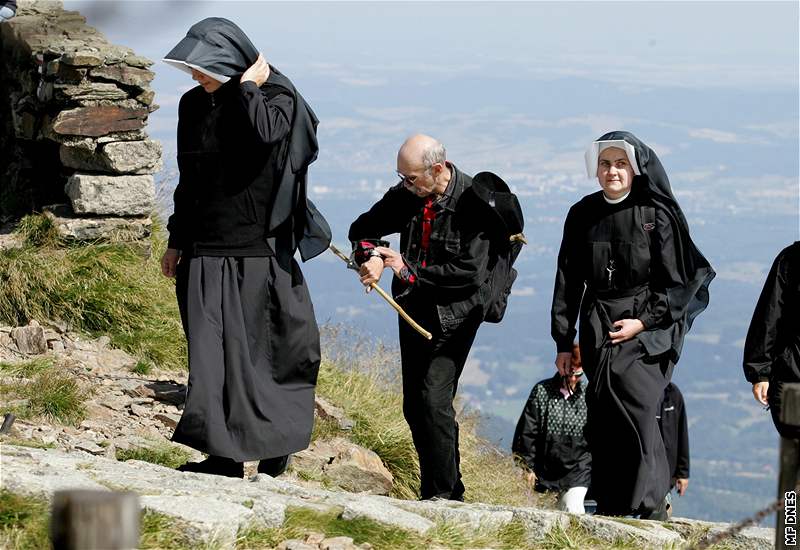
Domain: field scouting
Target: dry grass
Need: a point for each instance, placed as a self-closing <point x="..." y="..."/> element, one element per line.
<point x="43" y="390"/>
<point x="100" y="288"/>
<point x="363" y="377"/>
<point x="160" y="452"/>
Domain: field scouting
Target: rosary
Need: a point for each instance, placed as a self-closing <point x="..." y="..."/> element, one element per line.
<point x="611" y="269"/>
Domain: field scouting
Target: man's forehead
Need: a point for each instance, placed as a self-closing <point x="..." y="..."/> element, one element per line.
<point x="406" y="164"/>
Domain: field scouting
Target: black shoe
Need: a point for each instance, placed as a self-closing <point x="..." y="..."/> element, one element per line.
<point x="274" y="466"/>
<point x="658" y="514"/>
<point x="215" y="465"/>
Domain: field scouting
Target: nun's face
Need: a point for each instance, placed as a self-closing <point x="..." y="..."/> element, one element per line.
<point x="209" y="84"/>
<point x="614" y="172"/>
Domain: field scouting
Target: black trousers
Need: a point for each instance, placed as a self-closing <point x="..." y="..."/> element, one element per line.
<point x="431" y="369"/>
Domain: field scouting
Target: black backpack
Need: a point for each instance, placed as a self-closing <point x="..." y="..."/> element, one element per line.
<point x="507" y="240"/>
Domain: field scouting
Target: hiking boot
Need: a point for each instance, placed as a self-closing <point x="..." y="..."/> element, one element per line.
<point x="274" y="466"/>
<point x="215" y="465"/>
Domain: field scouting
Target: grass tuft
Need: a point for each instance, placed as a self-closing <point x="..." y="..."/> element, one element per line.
<point x="96" y="288"/>
<point x="23" y="522"/>
<point x="142" y="367"/>
<point x="19" y="442"/>
<point x="56" y="395"/>
<point x="575" y="537"/>
<point x="37" y="230"/>
<point x="44" y="391"/>
<point x="159" y="531"/>
<point x="161" y="453"/>
<point x="26" y="369"/>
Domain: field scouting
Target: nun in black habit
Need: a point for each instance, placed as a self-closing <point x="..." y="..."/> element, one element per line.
<point x="629" y="270"/>
<point x="245" y="140"/>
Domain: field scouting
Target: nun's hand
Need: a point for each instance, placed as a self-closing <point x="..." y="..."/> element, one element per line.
<point x="258" y="72"/>
<point x="626" y="329"/>
<point x="760" y="391"/>
<point x="563" y="361"/>
<point x="169" y="262"/>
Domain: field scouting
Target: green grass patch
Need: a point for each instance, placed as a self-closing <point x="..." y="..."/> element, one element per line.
<point x="99" y="288"/>
<point x="161" y="453"/>
<point x="26" y="369"/>
<point x="38" y="230"/>
<point x="23" y="522"/>
<point x="159" y="531"/>
<point x="34" y="444"/>
<point x="575" y="537"/>
<point x="45" y="391"/>
<point x="142" y="367"/>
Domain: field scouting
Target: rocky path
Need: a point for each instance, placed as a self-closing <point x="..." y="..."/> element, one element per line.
<point x="123" y="409"/>
<point x="216" y="509"/>
<point x="128" y="410"/>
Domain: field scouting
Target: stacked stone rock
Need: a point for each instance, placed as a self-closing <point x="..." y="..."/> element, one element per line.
<point x="77" y="108"/>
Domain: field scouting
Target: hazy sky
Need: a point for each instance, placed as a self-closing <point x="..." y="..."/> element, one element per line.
<point x="749" y="44"/>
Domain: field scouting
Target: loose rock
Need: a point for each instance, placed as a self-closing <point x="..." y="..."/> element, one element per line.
<point x="30" y="340"/>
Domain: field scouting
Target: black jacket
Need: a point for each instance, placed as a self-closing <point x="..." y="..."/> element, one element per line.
<point x="675" y="432"/>
<point x="772" y="347"/>
<point x="456" y="271"/>
<point x="550" y="437"/>
<point x="228" y="148"/>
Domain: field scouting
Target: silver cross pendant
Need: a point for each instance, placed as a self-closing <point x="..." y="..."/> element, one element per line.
<point x="611" y="269"/>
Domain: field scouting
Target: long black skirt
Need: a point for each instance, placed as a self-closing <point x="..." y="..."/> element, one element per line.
<point x="253" y="357"/>
<point x="630" y="473"/>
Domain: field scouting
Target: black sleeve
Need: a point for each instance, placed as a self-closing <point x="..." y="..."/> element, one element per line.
<point x="269" y="108"/>
<point x="682" y="465"/>
<point x="569" y="285"/>
<point x="182" y="196"/>
<point x="764" y="342"/>
<point x="387" y="216"/>
<point x="526" y="432"/>
<point x="665" y="272"/>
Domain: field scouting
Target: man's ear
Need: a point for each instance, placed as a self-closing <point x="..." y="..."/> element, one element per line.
<point x="437" y="169"/>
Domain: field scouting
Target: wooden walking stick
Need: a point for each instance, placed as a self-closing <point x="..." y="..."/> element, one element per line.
<point x="388" y="298"/>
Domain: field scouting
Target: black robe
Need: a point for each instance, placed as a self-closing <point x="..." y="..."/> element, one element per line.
<point x="253" y="341"/>
<point x="772" y="347"/>
<point x="657" y="276"/>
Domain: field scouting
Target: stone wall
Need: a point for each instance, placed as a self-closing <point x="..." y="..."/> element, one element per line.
<point x="73" y="110"/>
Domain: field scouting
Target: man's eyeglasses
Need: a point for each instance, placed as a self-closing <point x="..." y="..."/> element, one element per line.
<point x="409" y="181"/>
<point x="406" y="180"/>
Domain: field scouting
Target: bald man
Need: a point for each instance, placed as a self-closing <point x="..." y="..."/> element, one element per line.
<point x="440" y="278"/>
